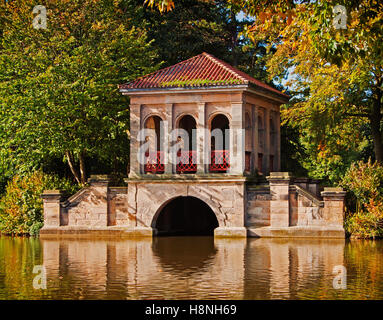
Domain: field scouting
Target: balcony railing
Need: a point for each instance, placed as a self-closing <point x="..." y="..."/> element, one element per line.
<point x="186" y="161"/>
<point x="154" y="162"/>
<point x="220" y="161"/>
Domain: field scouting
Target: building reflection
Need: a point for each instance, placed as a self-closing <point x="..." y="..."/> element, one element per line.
<point x="283" y="269"/>
<point x="188" y="268"/>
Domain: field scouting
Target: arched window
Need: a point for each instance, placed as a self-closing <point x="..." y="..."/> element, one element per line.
<point x="219" y="133"/>
<point x="220" y="144"/>
<point x="188" y="124"/>
<point x="153" y="123"/>
<point x="186" y="157"/>
<point x="153" y="157"/>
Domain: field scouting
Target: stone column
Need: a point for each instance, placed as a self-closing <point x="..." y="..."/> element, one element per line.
<point x="52" y="208"/>
<point x="237" y="139"/>
<point x="277" y="156"/>
<point x="99" y="208"/>
<point x="279" y="204"/>
<point x="135" y="113"/>
<point x="266" y="153"/>
<point x="201" y="139"/>
<point x="255" y="137"/>
<point x="168" y="129"/>
<point x="333" y="211"/>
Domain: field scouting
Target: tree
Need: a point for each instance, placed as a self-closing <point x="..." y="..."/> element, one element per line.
<point x="58" y="86"/>
<point x="336" y="73"/>
<point x="194" y="26"/>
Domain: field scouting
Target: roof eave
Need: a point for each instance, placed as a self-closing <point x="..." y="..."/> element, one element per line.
<point x="279" y="96"/>
<point x="129" y="91"/>
<point x="250" y="87"/>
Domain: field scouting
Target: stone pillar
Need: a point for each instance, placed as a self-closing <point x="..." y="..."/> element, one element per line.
<point x="266" y="152"/>
<point x="168" y="129"/>
<point x="99" y="190"/>
<point x="277" y="156"/>
<point x="237" y="139"/>
<point x="201" y="139"/>
<point x="279" y="204"/>
<point x="253" y="163"/>
<point x="255" y="137"/>
<point x="333" y="211"/>
<point x="135" y="116"/>
<point x="52" y="208"/>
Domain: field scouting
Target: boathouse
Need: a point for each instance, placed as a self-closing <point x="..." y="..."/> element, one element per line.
<point x="204" y="160"/>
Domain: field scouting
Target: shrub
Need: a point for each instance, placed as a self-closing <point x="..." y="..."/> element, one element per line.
<point x="364" y="182"/>
<point x="21" y="207"/>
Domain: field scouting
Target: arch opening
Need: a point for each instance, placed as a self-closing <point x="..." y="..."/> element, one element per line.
<point x="187" y="140"/>
<point x="185" y="216"/>
<point x="154" y="156"/>
<point x="187" y="123"/>
<point x="220" y="122"/>
<point x="220" y="144"/>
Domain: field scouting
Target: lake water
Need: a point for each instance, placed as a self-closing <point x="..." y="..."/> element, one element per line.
<point x="191" y="268"/>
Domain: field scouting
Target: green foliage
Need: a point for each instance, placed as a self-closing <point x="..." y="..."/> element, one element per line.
<point x="363" y="225"/>
<point x="364" y="181"/>
<point x="21" y="207"/>
<point x="59" y="86"/>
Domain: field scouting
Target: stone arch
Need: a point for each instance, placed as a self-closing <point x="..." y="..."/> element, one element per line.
<point x="149" y="115"/>
<point x="153" y="121"/>
<point x="185" y="215"/>
<point x="210" y="203"/>
<point x="216" y="113"/>
<point x="224" y="119"/>
<point x="190" y="126"/>
<point x="182" y="115"/>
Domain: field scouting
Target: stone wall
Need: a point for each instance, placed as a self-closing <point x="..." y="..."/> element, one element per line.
<point x="118" y="214"/>
<point x="280" y="208"/>
<point x="225" y="197"/>
<point x="305" y="208"/>
<point x="258" y="207"/>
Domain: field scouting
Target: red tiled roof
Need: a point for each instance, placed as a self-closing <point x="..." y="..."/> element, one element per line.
<point x="203" y="70"/>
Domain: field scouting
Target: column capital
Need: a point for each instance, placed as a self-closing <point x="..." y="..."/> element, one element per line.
<point x="279" y="177"/>
<point x="51" y="195"/>
<point x="99" y="180"/>
<point x="336" y="194"/>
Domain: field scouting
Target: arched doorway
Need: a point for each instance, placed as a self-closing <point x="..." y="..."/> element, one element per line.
<point x="186" y="216"/>
<point x="154" y="157"/>
<point x="187" y="142"/>
<point x="220" y="144"/>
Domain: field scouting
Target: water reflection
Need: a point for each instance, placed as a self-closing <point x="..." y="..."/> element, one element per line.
<point x="190" y="268"/>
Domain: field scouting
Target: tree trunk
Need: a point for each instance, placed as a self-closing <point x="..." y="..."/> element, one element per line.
<point x="69" y="157"/>
<point x="82" y="167"/>
<point x="375" y="120"/>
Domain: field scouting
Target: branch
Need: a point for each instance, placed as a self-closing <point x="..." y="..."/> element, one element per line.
<point x="362" y="115"/>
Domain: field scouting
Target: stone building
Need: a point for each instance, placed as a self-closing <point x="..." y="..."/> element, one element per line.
<point x="204" y="159"/>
